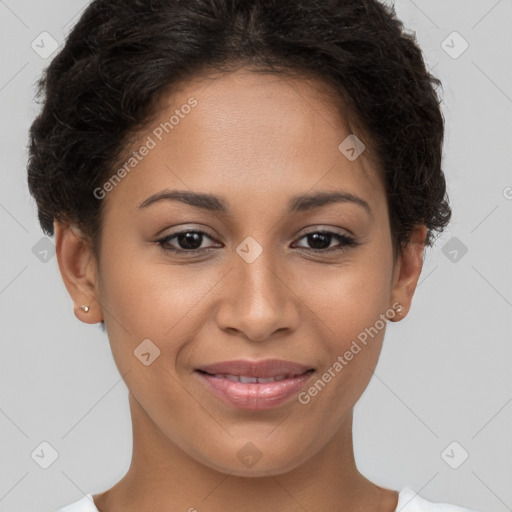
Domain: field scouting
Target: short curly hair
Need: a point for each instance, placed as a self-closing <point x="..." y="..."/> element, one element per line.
<point x="122" y="57"/>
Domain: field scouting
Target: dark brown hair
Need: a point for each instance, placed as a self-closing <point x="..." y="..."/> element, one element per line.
<point x="121" y="57"/>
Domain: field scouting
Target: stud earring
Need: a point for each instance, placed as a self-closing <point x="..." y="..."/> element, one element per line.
<point x="85" y="309"/>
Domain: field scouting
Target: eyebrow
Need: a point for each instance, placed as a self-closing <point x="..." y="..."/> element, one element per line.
<point x="217" y="204"/>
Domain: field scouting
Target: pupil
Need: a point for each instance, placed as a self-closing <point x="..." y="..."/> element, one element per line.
<point x="189" y="240"/>
<point x="317" y="240"/>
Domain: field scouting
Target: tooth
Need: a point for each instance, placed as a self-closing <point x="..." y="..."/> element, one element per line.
<point x="248" y="380"/>
<point x="251" y="380"/>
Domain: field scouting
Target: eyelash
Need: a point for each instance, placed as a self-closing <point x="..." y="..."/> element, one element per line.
<point x="346" y="241"/>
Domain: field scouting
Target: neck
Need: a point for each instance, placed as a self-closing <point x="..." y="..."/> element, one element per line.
<point x="164" y="477"/>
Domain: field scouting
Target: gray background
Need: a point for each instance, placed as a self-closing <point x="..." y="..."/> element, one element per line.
<point x="444" y="374"/>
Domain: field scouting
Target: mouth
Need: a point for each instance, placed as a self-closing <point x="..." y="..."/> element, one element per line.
<point x="245" y="379"/>
<point x="255" y="385"/>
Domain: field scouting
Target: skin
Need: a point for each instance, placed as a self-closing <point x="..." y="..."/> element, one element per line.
<point x="256" y="140"/>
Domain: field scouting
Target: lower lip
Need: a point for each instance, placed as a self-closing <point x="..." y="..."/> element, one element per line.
<point x="255" y="396"/>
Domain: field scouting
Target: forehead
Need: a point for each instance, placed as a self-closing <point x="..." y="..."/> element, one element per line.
<point x="247" y="133"/>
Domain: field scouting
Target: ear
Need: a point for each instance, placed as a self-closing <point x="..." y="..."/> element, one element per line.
<point x="78" y="268"/>
<point x="407" y="272"/>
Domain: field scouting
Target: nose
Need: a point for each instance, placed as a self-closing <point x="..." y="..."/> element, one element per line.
<point x="258" y="299"/>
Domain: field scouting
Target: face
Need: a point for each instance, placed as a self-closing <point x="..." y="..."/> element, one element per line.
<point x="243" y="233"/>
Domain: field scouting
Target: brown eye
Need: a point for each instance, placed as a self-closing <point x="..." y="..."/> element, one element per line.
<point x="320" y="241"/>
<point x="188" y="241"/>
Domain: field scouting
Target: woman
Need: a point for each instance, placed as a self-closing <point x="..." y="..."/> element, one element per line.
<point x="241" y="193"/>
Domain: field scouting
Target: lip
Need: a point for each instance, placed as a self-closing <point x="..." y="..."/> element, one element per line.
<point x="259" y="395"/>
<point x="264" y="368"/>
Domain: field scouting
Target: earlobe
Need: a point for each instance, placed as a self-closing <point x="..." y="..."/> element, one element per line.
<point x="407" y="271"/>
<point x="78" y="268"/>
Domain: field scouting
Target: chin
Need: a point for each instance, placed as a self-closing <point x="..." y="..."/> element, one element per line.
<point x="250" y="461"/>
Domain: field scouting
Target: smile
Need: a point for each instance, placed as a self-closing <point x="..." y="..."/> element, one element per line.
<point x="250" y="380"/>
<point x="255" y="385"/>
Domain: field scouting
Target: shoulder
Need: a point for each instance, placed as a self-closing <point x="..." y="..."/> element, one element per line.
<point x="409" y="501"/>
<point x="86" y="504"/>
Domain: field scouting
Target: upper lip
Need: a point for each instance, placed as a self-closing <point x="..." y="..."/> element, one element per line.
<point x="261" y="369"/>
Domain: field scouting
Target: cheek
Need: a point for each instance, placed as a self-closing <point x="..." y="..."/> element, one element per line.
<point x="348" y="297"/>
<point x="350" y="350"/>
<point x="350" y="302"/>
<point x="142" y="300"/>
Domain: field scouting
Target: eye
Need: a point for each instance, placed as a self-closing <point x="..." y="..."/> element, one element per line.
<point x="320" y="241"/>
<point x="189" y="241"/>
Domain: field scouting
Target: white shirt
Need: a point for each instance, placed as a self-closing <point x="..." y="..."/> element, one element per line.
<point x="408" y="501"/>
